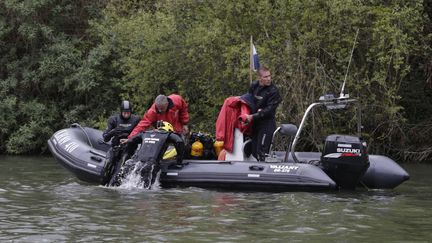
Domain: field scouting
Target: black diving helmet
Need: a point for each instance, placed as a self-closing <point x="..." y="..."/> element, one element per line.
<point x="125" y="106"/>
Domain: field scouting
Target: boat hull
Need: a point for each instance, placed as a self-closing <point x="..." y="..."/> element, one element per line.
<point x="247" y="176"/>
<point x="80" y="150"/>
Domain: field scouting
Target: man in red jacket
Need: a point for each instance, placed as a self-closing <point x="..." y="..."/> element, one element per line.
<point x="172" y="109"/>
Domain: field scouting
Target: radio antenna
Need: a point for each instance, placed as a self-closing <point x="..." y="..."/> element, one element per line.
<point x="341" y="95"/>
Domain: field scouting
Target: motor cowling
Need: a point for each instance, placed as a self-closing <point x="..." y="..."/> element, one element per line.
<point x="345" y="159"/>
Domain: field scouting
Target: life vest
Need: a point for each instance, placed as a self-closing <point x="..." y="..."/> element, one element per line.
<point x="153" y="145"/>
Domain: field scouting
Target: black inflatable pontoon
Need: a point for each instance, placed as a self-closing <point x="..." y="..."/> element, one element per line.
<point x="79" y="150"/>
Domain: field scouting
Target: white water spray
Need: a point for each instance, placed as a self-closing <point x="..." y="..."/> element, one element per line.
<point x="134" y="178"/>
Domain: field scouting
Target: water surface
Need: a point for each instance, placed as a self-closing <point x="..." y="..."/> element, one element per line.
<point x="40" y="201"/>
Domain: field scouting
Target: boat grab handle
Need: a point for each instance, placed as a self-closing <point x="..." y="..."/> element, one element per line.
<point x="98" y="159"/>
<point x="97" y="153"/>
<point x="256" y="167"/>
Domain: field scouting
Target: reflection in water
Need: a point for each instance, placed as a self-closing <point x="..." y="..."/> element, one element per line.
<point x="40" y="201"/>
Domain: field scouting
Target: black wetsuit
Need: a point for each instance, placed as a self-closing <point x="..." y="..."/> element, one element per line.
<point x="118" y="127"/>
<point x="153" y="146"/>
<point x="267" y="99"/>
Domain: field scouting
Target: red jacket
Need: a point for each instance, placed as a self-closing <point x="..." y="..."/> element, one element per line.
<point x="228" y="119"/>
<point x="177" y="114"/>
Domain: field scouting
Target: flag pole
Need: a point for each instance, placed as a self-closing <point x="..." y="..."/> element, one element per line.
<point x="250" y="59"/>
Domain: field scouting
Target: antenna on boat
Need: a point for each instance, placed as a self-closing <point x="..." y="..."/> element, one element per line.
<point x="342" y="94"/>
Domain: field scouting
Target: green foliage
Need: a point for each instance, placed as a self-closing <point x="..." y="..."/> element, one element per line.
<point x="75" y="60"/>
<point x="202" y="53"/>
<point x="51" y="71"/>
<point x="39" y="126"/>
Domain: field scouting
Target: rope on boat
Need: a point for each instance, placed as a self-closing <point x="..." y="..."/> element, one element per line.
<point x="85" y="133"/>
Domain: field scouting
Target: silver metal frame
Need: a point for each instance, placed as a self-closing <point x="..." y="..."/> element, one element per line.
<point x="335" y="101"/>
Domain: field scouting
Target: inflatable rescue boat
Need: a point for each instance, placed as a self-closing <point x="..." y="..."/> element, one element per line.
<point x="343" y="163"/>
<point x="80" y="150"/>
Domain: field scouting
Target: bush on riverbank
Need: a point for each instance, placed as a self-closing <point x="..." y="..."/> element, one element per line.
<point x="74" y="62"/>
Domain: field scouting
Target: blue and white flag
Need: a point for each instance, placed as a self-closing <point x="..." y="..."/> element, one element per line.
<point x="255" y="65"/>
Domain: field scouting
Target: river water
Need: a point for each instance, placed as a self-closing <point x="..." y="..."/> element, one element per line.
<point x="42" y="202"/>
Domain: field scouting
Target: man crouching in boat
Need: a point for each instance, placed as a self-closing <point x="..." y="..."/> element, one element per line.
<point x="172" y="108"/>
<point x="118" y="126"/>
<point x="153" y="146"/>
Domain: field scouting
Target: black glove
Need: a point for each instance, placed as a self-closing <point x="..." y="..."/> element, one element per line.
<point x="107" y="136"/>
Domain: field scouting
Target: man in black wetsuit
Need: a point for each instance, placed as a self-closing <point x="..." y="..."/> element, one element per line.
<point x="267" y="98"/>
<point x="154" y="143"/>
<point x="119" y="126"/>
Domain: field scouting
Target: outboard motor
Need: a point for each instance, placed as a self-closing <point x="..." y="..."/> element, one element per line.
<point x="345" y="159"/>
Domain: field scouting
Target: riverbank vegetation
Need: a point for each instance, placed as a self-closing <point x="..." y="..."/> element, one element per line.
<point x="74" y="61"/>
